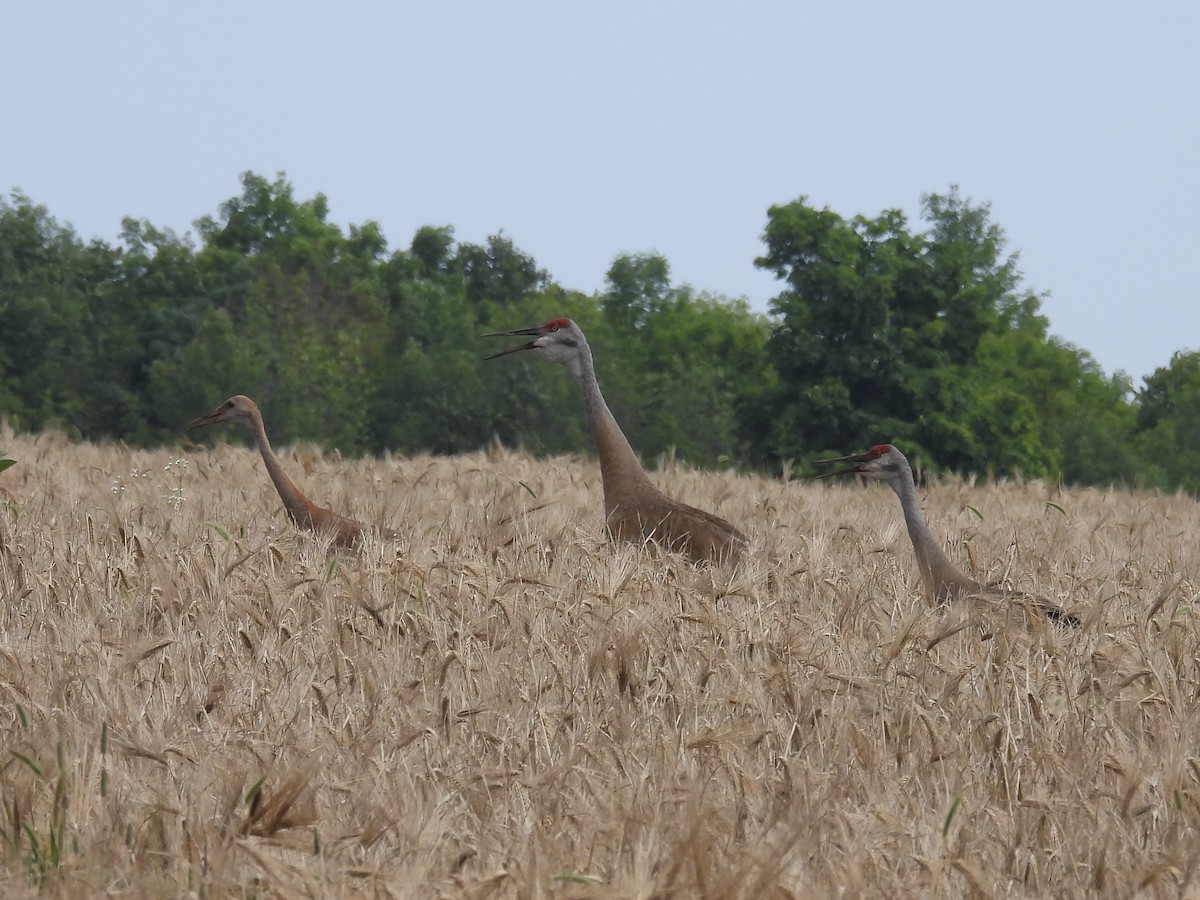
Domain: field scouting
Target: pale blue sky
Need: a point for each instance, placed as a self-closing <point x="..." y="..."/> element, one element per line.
<point x="585" y="131"/>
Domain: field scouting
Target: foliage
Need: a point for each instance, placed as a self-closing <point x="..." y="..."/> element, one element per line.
<point x="687" y="358"/>
<point x="880" y="332"/>
<point x="1168" y="423"/>
<point x="928" y="340"/>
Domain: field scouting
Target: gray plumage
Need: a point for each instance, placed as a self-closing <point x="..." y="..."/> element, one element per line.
<point x="944" y="581"/>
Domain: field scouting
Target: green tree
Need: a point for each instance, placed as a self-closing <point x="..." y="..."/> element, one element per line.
<point x="498" y="273"/>
<point x="883" y="334"/>
<point x="842" y="328"/>
<point x="1168" y="423"/>
<point x="428" y="393"/>
<point x="44" y="344"/>
<point x="638" y="284"/>
<point x="879" y="333"/>
<point x="1084" y="418"/>
<point x="291" y="311"/>
<point x="681" y="363"/>
<point x="697" y="363"/>
<point x="433" y="249"/>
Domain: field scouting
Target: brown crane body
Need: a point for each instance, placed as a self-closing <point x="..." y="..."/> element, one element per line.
<point x="305" y="515"/>
<point x="635" y="510"/>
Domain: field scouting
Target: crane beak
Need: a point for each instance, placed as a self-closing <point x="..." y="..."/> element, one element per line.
<point x="854" y="468"/>
<point x="532" y="345"/>
<point x="208" y="419"/>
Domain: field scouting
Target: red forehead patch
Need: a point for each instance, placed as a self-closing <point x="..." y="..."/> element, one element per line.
<point x="879" y="450"/>
<point x="556" y="324"/>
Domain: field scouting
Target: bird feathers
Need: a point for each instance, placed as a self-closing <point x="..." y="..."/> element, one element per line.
<point x="635" y="510"/>
<point x="943" y="579"/>
<point x="676" y="526"/>
<point x="305" y="515"/>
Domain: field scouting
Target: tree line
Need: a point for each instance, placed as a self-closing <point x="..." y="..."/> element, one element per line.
<point x="880" y="332"/>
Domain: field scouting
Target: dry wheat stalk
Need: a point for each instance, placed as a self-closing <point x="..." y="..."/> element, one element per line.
<point x="502" y="704"/>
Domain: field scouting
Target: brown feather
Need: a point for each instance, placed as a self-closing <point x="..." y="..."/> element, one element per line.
<point x="944" y="580"/>
<point x="693" y="532"/>
<point x="635" y="510"/>
<point x="305" y="515"/>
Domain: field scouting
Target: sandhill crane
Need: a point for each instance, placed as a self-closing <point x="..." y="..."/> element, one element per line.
<point x="942" y="578"/>
<point x="635" y="510"/>
<point x="241" y="410"/>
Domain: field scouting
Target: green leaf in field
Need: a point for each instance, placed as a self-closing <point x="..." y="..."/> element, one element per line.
<point x="528" y="488"/>
<point x="6" y="463"/>
<point x="421" y="597"/>
<point x="254" y="790"/>
<point x="974" y="510"/>
<point x="35" y="845"/>
<point x="37" y="770"/>
<point x="950" y="816"/>
<point x="1053" y="505"/>
<point x="225" y="535"/>
<point x="331" y="570"/>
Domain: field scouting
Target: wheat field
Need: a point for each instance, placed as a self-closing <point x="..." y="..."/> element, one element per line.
<point x="195" y="700"/>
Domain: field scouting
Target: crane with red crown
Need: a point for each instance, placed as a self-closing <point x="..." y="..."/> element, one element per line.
<point x="635" y="510"/>
<point x="944" y="581"/>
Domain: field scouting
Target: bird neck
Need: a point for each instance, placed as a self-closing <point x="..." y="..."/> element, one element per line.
<point x="620" y="469"/>
<point x="297" y="505"/>
<point x="942" y="578"/>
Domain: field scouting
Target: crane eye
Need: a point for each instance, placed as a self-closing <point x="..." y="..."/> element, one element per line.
<point x="553" y="328"/>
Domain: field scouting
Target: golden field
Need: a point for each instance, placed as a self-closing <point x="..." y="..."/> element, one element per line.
<point x="197" y="700"/>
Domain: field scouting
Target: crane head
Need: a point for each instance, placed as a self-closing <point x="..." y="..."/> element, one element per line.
<point x="239" y="409"/>
<point x="558" y="340"/>
<point x="881" y="461"/>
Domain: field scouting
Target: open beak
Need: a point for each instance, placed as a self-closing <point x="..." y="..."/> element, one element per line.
<point x="209" y="419"/>
<point x="532" y="345"/>
<point x="852" y="469"/>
